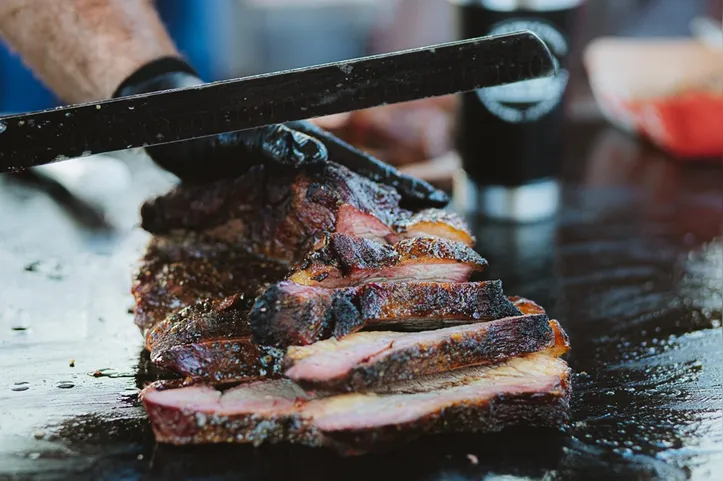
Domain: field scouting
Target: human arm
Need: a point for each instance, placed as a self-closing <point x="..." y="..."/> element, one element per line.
<point x="94" y="49"/>
<point x="84" y="49"/>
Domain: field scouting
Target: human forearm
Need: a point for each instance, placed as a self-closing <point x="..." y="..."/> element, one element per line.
<point x="83" y="49"/>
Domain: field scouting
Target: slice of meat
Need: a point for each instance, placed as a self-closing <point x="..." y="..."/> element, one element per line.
<point x="529" y="391"/>
<point x="258" y="412"/>
<point x="184" y="267"/>
<point x="372" y="359"/>
<point x="222" y="361"/>
<point x="434" y="223"/>
<point x="281" y="215"/>
<point x="350" y="261"/>
<point x="210" y="341"/>
<point x="204" y="319"/>
<point x="292" y="314"/>
<point x="532" y="390"/>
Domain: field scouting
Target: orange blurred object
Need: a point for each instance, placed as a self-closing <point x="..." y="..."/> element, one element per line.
<point x="669" y="91"/>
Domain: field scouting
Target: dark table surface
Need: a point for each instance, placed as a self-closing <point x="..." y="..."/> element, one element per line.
<point x="632" y="266"/>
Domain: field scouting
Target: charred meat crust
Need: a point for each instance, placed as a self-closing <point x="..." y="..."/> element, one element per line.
<point x="211" y="341"/>
<point x="291" y="314"/>
<point x="492" y="401"/>
<point x="179" y="269"/>
<point x="473" y="301"/>
<point x="204" y="319"/>
<point x="281" y="214"/>
<point x="373" y="359"/>
<point x="199" y="207"/>
<point x="347" y="261"/>
<point x="287" y="313"/>
<point x="353" y="254"/>
<point x="221" y="361"/>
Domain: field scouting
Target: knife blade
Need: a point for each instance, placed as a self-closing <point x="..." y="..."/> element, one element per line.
<point x="38" y="138"/>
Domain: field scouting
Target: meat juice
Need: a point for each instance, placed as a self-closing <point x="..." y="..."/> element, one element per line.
<point x="509" y="137"/>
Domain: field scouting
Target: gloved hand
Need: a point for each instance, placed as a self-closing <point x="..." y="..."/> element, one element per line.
<point x="293" y="145"/>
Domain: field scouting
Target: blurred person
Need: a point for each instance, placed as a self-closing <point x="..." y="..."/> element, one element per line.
<point x="87" y="50"/>
<point x="190" y="24"/>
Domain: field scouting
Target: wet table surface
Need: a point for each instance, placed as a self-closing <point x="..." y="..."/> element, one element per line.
<point x="632" y="266"/>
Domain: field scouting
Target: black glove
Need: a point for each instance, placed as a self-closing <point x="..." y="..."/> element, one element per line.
<point x="293" y="145"/>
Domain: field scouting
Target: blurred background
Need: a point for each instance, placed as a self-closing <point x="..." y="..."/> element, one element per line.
<point x="609" y="80"/>
<point x="231" y="38"/>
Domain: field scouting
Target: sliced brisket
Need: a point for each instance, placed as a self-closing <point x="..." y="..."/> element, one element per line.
<point x="432" y="223"/>
<point x="210" y="341"/>
<point x="281" y="215"/>
<point x="204" y="319"/>
<point x="350" y="261"/>
<point x="340" y="255"/>
<point x="179" y="269"/>
<point x="372" y="359"/>
<point x="292" y="314"/>
<point x="532" y="390"/>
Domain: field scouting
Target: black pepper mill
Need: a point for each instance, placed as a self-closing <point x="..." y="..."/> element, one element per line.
<point x="509" y="137"/>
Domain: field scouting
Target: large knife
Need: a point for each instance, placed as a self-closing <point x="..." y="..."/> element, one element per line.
<point x="43" y="137"/>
